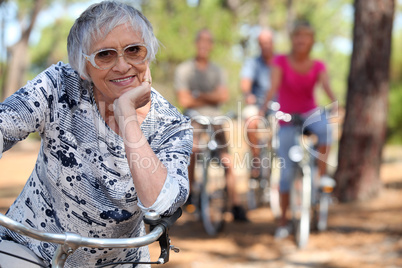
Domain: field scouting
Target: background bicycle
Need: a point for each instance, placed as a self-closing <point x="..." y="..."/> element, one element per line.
<point x="209" y="193"/>
<point x="310" y="195"/>
<point x="264" y="188"/>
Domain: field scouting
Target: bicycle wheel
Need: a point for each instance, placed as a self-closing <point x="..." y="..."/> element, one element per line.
<point x="300" y="200"/>
<point x="258" y="193"/>
<point x="253" y="193"/>
<point x="274" y="177"/>
<point x="323" y="212"/>
<point x="213" y="196"/>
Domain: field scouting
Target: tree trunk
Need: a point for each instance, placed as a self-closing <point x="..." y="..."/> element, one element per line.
<point x="18" y="59"/>
<point x="364" y="128"/>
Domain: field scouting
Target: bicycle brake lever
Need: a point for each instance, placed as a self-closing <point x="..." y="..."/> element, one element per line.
<point x="164" y="240"/>
<point x="174" y="249"/>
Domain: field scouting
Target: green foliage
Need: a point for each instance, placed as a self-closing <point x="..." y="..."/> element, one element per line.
<point x="395" y="114"/>
<point x="51" y="41"/>
<point x="396" y="58"/>
<point x="176" y="25"/>
<point x="330" y="23"/>
<point x="52" y="46"/>
<point x="395" y="96"/>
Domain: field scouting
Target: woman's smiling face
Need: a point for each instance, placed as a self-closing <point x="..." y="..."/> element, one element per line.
<point x="112" y="83"/>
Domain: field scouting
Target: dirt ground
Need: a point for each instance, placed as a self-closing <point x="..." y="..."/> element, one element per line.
<point x="365" y="234"/>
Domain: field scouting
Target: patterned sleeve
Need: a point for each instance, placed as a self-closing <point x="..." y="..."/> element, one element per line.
<point x="174" y="153"/>
<point x="24" y="112"/>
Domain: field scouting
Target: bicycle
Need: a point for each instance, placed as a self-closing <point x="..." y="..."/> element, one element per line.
<point x="309" y="201"/>
<point x="209" y="192"/>
<point x="69" y="242"/>
<point x="264" y="189"/>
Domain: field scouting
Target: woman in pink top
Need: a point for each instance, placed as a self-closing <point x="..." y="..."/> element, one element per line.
<point x="293" y="79"/>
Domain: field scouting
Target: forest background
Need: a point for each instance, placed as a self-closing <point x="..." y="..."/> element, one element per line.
<point x="44" y="25"/>
<point x="38" y="30"/>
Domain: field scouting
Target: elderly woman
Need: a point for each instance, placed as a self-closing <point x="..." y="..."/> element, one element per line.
<point x="112" y="147"/>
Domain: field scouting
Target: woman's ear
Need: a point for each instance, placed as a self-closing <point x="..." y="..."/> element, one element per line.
<point x="85" y="78"/>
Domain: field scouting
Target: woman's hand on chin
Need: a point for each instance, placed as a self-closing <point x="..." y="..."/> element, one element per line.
<point x="126" y="105"/>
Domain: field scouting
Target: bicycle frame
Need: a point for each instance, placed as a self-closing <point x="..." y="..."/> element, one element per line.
<point x="264" y="188"/>
<point x="68" y="242"/>
<point x="261" y="188"/>
<point x="302" y="188"/>
<point x="208" y="124"/>
<point x="210" y="192"/>
<point x="313" y="195"/>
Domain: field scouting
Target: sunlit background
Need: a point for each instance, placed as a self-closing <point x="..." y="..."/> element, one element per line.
<point x="235" y="25"/>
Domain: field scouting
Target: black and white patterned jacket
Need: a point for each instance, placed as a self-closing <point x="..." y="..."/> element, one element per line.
<point x="81" y="181"/>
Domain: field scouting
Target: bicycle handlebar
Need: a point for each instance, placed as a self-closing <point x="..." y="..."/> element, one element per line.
<point x="82" y="241"/>
<point x="69" y="242"/>
<point x="166" y="222"/>
<point x="31" y="232"/>
<point x="206" y="120"/>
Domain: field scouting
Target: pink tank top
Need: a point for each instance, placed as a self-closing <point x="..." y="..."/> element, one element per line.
<point x="296" y="90"/>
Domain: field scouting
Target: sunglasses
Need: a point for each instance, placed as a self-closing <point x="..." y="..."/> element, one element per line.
<point x="107" y="58"/>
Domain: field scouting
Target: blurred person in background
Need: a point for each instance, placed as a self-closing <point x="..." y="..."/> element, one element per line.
<point x="255" y="81"/>
<point x="293" y="80"/>
<point x="201" y="89"/>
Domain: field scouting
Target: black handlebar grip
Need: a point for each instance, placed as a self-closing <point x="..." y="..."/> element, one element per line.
<point x="167" y="222"/>
<point x="170" y="220"/>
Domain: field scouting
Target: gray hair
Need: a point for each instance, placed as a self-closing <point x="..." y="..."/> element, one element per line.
<point x="96" y="22"/>
<point x="200" y="32"/>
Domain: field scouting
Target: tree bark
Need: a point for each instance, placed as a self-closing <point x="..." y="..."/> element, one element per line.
<point x="18" y="56"/>
<point x="364" y="129"/>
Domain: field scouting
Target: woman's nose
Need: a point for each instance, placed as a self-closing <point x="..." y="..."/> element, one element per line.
<point x="122" y="65"/>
